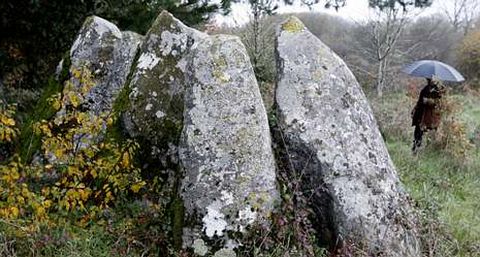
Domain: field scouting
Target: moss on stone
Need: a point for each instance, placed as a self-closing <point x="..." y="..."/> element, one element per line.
<point x="29" y="142"/>
<point x="177" y="215"/>
<point x="122" y="102"/>
<point x="293" y="25"/>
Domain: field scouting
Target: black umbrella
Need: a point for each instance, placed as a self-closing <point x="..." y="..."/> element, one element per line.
<point x="433" y="69"/>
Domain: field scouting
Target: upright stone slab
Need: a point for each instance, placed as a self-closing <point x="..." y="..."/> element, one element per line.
<point x="225" y="148"/>
<point x="158" y="85"/>
<point x="109" y="54"/>
<point x="333" y="138"/>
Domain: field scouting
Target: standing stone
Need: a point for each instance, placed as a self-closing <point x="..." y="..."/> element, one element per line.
<point x="155" y="113"/>
<point x="333" y="138"/>
<point x="108" y="53"/>
<point x="158" y="84"/>
<point x="225" y="148"/>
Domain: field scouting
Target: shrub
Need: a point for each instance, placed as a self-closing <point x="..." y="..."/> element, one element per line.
<point x="79" y="169"/>
<point x="469" y="56"/>
<point x="8" y="130"/>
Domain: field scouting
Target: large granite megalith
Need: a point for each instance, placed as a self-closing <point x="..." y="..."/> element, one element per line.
<point x="333" y="139"/>
<point x="225" y="148"/>
<point x="157" y="85"/>
<point x="195" y="100"/>
<point x="108" y="53"/>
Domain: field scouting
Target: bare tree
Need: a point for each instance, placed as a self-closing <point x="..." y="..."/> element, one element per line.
<point x="383" y="31"/>
<point x="431" y="37"/>
<point x="462" y="13"/>
<point x="259" y="9"/>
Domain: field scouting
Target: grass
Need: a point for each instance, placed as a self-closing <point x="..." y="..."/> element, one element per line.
<point x="445" y="189"/>
<point x="62" y="240"/>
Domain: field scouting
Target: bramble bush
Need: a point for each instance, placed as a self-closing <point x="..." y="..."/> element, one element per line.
<point x="452" y="135"/>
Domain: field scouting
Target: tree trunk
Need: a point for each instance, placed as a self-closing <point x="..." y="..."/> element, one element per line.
<point x="381" y="73"/>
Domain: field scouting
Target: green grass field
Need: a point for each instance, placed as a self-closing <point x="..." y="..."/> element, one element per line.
<point x="446" y="190"/>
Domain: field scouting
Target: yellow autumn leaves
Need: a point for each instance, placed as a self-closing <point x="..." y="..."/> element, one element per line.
<point x="79" y="168"/>
<point x="8" y="131"/>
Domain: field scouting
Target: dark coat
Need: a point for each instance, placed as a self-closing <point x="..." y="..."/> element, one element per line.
<point x="426" y="113"/>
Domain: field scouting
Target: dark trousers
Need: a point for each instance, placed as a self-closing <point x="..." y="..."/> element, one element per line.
<point x="417" y="138"/>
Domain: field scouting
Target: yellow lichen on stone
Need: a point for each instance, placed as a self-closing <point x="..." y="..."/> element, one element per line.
<point x="292" y="25"/>
<point x="223" y="77"/>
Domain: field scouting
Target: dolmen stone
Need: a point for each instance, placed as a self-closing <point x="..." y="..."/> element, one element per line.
<point x="333" y="140"/>
<point x="225" y="149"/>
<point x="154" y="115"/>
<point x="109" y="54"/>
<point x="158" y="82"/>
<point x="195" y="100"/>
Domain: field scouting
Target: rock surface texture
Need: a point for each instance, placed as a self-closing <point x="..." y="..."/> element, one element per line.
<point x="333" y="139"/>
<point x="109" y="54"/>
<point x="157" y="85"/>
<point x="225" y="148"/>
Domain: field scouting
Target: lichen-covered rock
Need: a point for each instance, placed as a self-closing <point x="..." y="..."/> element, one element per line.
<point x="109" y="54"/>
<point x="98" y="63"/>
<point x="225" y="148"/>
<point x="333" y="139"/>
<point x="157" y="84"/>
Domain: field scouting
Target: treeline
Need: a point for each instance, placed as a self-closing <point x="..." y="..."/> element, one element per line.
<point x="429" y="37"/>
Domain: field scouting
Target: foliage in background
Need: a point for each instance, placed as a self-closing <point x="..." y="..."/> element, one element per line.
<point x="469" y="57"/>
<point x="36" y="33"/>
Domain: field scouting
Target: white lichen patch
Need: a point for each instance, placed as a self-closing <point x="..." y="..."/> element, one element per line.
<point x="227" y="198"/>
<point x="231" y="244"/>
<point x="171" y="40"/>
<point x="246" y="216"/>
<point x="147" y="61"/>
<point x="199" y="247"/>
<point x="225" y="253"/>
<point x="214" y="222"/>
<point x="134" y="93"/>
<point x="182" y="64"/>
<point x="103" y="26"/>
<point x="148" y="107"/>
<point x="160" y="114"/>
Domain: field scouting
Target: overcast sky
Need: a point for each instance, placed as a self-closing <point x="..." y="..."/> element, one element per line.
<point x="354" y="10"/>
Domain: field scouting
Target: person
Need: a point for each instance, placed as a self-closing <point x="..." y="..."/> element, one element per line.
<point x="426" y="114"/>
